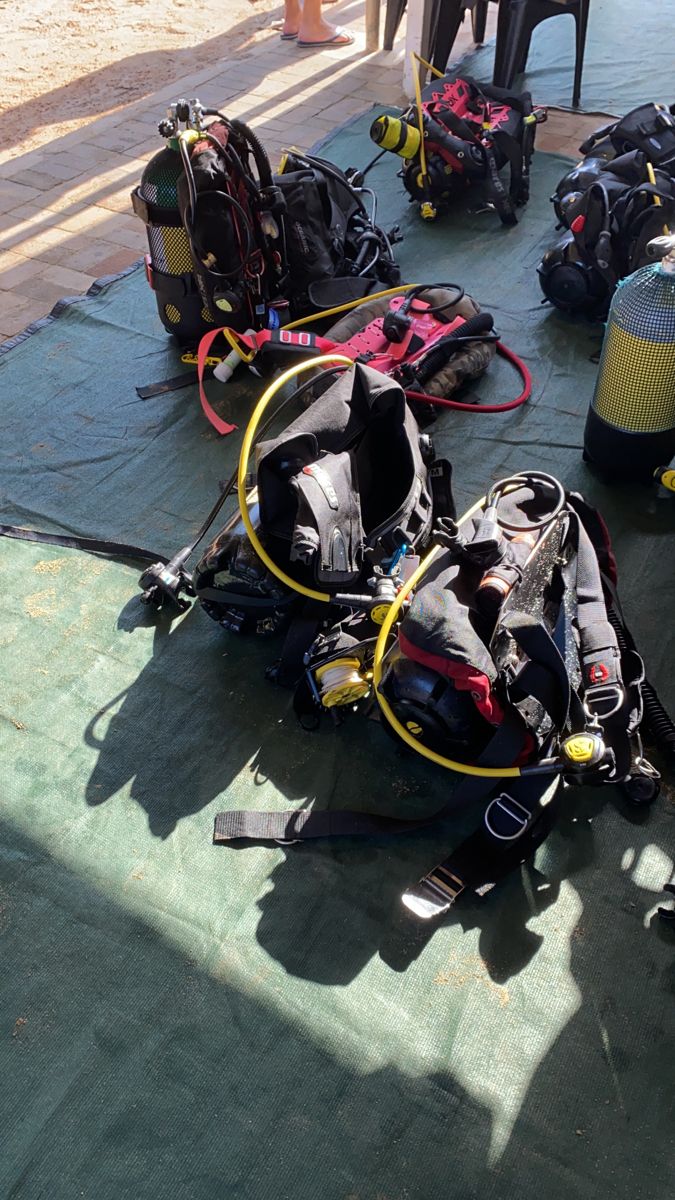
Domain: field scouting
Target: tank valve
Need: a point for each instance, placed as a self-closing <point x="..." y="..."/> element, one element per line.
<point x="663" y="248"/>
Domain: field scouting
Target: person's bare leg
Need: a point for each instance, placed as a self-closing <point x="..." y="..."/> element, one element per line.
<point x="292" y="14"/>
<point x="312" y="26"/>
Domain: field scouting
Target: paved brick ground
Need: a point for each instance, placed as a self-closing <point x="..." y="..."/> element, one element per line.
<point x="65" y="216"/>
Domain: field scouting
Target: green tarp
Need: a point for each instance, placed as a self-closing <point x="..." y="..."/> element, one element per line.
<point x="185" y="1021"/>
<point x="627" y="62"/>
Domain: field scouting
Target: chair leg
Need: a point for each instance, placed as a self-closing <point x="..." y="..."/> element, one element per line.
<point x="516" y="41"/>
<point x="522" y="65"/>
<point x="582" y="23"/>
<point x="392" y="20"/>
<point x="478" y="21"/>
<point x="450" y="17"/>
<point x="503" y="24"/>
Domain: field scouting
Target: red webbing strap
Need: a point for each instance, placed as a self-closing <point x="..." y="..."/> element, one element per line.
<point x="210" y="413"/>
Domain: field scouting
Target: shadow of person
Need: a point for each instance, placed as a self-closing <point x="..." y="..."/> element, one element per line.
<point x="176" y="1047"/>
<point x="506" y="945"/>
<point x="120" y="86"/>
<point x="600" y="1103"/>
<point x="196" y="721"/>
<point x="333" y="905"/>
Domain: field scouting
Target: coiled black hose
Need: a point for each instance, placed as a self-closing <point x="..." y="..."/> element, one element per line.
<point x="656" y="721"/>
<point x="262" y="162"/>
<point x="659" y="724"/>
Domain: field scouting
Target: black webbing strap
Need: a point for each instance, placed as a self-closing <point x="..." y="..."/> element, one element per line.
<point x="544" y="676"/>
<point x="499" y="195"/>
<point x="529" y="132"/>
<point x="514" y="152"/>
<point x="91" y="545"/>
<point x="302" y="824"/>
<point x="611" y="677"/>
<point x="299" y="637"/>
<point x="516" y="821"/>
<point x="596" y="137"/>
<point x="599" y="648"/>
<point x="154" y="214"/>
<point x="166" y="385"/>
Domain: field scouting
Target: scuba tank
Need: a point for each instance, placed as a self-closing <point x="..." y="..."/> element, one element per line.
<point x="169" y="264"/>
<point x="630" y="428"/>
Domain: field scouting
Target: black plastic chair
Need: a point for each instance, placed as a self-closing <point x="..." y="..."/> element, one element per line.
<point x="517" y="19"/>
<point x="446" y="18"/>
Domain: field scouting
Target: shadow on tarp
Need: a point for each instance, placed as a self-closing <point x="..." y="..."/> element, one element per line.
<point x="180" y="738"/>
<point x="356" y="889"/>
<point x="133" y="1067"/>
<point x="352" y="1058"/>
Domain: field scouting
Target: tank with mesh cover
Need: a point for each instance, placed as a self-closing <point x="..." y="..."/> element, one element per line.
<point x="630" y="428"/>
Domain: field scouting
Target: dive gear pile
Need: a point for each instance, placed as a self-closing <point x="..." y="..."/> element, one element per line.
<point x="503" y="657"/>
<point x="459" y="133"/>
<point x="494" y="645"/>
<point x="617" y="199"/>
<point x="630" y="428"/>
<point x="231" y="243"/>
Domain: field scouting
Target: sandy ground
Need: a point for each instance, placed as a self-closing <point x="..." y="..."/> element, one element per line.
<point x="63" y="64"/>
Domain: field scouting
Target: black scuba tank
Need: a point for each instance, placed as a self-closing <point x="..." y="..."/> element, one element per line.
<point x="169" y="264"/>
<point x="170" y="267"/>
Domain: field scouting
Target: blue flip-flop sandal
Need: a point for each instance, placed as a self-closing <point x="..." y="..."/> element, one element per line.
<point x="341" y="37"/>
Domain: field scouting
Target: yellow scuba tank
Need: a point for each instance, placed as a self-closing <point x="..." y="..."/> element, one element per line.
<point x="630" y="428"/>
<point x="397" y="135"/>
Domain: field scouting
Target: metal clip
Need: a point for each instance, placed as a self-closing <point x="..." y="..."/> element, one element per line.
<point x="513" y="810"/>
<point x="603" y="700"/>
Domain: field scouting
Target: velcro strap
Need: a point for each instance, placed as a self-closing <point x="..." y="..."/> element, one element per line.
<point x="300" y="824"/>
<point x="91" y="545"/>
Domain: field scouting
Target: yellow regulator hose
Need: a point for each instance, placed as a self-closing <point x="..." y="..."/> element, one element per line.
<point x="380" y="648"/>
<point x="320" y="361"/>
<point x="341" y="308"/>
